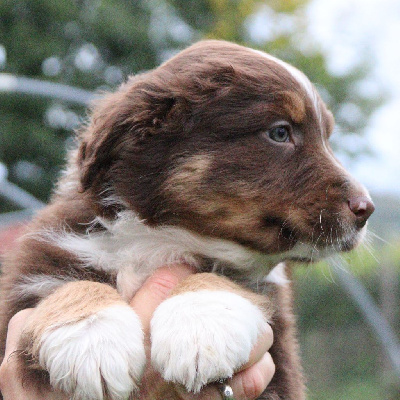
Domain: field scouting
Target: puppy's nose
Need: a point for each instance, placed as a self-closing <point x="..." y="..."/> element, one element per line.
<point x="362" y="207"/>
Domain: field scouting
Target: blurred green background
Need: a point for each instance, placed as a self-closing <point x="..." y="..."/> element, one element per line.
<point x="96" y="44"/>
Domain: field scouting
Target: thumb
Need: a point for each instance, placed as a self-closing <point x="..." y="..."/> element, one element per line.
<point x="156" y="289"/>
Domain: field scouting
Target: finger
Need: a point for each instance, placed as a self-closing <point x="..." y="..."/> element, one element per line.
<point x="246" y="385"/>
<point x="250" y="383"/>
<point x="263" y="344"/>
<point x="156" y="289"/>
<point x="15" y="328"/>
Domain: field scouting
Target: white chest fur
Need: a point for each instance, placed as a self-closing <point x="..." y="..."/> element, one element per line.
<point x="132" y="250"/>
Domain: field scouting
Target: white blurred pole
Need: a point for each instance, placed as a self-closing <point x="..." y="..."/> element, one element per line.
<point x="373" y="316"/>
<point x="15" y="84"/>
<point x="15" y="194"/>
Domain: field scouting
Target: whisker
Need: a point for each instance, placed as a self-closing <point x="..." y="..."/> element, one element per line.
<point x="339" y="262"/>
<point x="330" y="279"/>
<point x="372" y="233"/>
<point x="370" y="251"/>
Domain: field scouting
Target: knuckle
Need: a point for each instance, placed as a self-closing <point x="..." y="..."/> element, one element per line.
<point x="162" y="283"/>
<point x="254" y="384"/>
<point x="18" y="319"/>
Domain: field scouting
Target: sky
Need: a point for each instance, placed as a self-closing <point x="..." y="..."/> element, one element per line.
<point x="344" y="28"/>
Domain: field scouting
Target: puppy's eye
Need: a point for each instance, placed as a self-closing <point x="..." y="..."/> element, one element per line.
<point x="279" y="134"/>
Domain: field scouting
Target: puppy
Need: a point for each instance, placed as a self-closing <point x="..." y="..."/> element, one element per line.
<point x="219" y="158"/>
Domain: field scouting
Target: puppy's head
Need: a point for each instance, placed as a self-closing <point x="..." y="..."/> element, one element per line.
<point x="230" y="143"/>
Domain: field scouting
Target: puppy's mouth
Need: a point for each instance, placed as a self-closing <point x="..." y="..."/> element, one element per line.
<point x="303" y="260"/>
<point x="308" y="253"/>
<point x="305" y="247"/>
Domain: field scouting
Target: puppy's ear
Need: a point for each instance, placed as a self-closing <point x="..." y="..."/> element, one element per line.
<point x="98" y="138"/>
<point x="136" y="110"/>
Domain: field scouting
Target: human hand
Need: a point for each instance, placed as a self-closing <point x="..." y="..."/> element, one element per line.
<point x="247" y="384"/>
<point x="11" y="383"/>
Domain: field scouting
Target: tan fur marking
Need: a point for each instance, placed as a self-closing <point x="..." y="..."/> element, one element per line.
<point x="189" y="174"/>
<point x="229" y="210"/>
<point x="209" y="281"/>
<point x="294" y="105"/>
<point x="71" y="303"/>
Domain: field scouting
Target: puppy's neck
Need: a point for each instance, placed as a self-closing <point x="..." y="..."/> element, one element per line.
<point x="170" y="244"/>
<point x="132" y="250"/>
<point x="149" y="248"/>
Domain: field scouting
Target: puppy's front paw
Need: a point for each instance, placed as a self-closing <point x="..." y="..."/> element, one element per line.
<point x="200" y="337"/>
<point x="100" y="356"/>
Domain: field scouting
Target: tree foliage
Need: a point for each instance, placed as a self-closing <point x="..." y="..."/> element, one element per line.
<point x="95" y="44"/>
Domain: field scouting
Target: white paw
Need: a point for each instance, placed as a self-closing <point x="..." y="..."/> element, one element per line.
<point x="102" y="355"/>
<point x="200" y="337"/>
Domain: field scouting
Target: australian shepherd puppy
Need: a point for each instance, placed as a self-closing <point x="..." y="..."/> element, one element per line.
<point x="219" y="158"/>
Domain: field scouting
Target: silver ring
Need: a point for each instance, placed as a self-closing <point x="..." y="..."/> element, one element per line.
<point x="225" y="391"/>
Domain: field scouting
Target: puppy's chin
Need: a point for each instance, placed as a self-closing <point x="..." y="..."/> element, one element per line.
<point x="304" y="252"/>
<point x="352" y="240"/>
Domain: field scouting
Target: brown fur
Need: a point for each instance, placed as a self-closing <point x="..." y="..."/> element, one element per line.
<point x="207" y="281"/>
<point x="288" y="381"/>
<point x="187" y="145"/>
